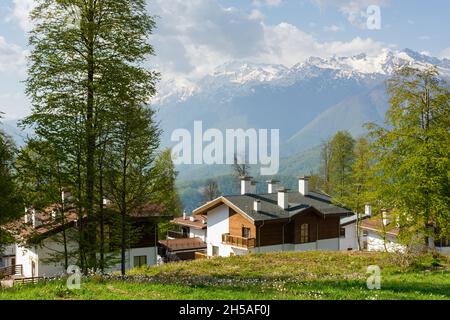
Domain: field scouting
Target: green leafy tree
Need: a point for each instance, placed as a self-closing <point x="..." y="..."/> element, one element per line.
<point x="163" y="185"/>
<point x="86" y="62"/>
<point x="129" y="162"/>
<point x="413" y="151"/>
<point x="11" y="204"/>
<point x="325" y="168"/>
<point x="43" y="178"/>
<point x="360" y="183"/>
<point x="340" y="162"/>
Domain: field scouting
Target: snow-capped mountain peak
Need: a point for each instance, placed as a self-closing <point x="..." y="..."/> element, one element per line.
<point x="242" y="74"/>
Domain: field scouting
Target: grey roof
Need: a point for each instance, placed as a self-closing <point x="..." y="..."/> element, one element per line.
<point x="297" y="204"/>
<point x="352" y="219"/>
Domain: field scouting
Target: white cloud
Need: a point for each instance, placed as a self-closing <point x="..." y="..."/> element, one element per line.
<point x="194" y="37"/>
<point x="12" y="57"/>
<point x="333" y="28"/>
<point x="354" y="10"/>
<point x="21" y="13"/>
<point x="267" y="3"/>
<point x="289" y="45"/>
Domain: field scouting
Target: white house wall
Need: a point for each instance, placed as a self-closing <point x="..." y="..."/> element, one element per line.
<point x="350" y="241"/>
<point x="218" y="224"/>
<point x="375" y="242"/>
<point x="150" y="252"/>
<point x="196" y="233"/>
<point x="328" y="244"/>
<point x="25" y="257"/>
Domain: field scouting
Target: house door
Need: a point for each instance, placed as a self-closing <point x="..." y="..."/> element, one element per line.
<point x="13" y="261"/>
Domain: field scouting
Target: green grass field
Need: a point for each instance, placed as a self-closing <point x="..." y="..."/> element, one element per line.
<point x="307" y="275"/>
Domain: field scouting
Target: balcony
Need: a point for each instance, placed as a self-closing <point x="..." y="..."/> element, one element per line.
<point x="177" y="235"/>
<point x="240" y="242"/>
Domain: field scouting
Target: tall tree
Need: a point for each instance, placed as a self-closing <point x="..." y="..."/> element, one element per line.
<point x="43" y="177"/>
<point x="163" y="185"/>
<point x="341" y="161"/>
<point x="413" y="151"/>
<point x="360" y="183"/>
<point x="129" y="163"/>
<point x="11" y="205"/>
<point x="86" y="61"/>
<point x="325" y="168"/>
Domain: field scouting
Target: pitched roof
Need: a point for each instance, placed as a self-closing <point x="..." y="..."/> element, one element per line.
<point x="183" y="244"/>
<point x="270" y="210"/>
<point x="376" y="224"/>
<point x="197" y="224"/>
<point x="352" y="219"/>
<point x="47" y="225"/>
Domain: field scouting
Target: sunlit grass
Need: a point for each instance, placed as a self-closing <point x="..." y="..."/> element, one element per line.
<point x="307" y="275"/>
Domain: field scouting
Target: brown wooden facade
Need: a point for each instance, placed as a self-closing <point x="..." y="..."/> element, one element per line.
<point x="286" y="231"/>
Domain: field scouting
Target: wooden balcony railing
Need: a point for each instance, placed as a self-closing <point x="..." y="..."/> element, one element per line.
<point x="177" y="235"/>
<point x="16" y="270"/>
<point x="238" y="241"/>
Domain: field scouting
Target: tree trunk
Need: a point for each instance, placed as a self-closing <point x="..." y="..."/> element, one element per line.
<point x="124" y="205"/>
<point x="90" y="137"/>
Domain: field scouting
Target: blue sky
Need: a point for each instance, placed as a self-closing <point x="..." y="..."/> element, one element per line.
<point x="195" y="36"/>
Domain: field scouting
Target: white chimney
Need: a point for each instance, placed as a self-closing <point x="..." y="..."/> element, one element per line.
<point x="257" y="206"/>
<point x="385" y="217"/>
<point x="106" y="202"/>
<point x="26" y="216"/>
<point x="184" y="215"/>
<point x="272" y="186"/>
<point x="53" y="214"/>
<point x="283" y="198"/>
<point x="303" y="185"/>
<point x="192" y="218"/>
<point x="253" y="187"/>
<point x="368" y="210"/>
<point x="246" y="185"/>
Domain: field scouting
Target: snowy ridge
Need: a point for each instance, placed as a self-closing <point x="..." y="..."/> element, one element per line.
<point x="238" y="76"/>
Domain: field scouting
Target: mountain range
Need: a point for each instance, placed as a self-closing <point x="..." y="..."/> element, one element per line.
<point x="307" y="102"/>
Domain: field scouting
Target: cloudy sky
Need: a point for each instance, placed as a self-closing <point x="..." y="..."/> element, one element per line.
<point x="195" y="36"/>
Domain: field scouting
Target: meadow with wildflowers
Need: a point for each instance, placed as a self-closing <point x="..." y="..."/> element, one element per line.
<point x="285" y="276"/>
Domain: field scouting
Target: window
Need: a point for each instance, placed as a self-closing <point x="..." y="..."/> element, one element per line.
<point x="246" y="232"/>
<point x="342" y="233"/>
<point x="215" y="251"/>
<point x="140" y="261"/>
<point x="304" y="233"/>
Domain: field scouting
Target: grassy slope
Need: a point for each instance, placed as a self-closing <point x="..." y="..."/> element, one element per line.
<point x="310" y="275"/>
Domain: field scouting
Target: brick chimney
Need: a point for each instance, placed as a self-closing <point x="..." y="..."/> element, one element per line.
<point x="272" y="186"/>
<point x="283" y="201"/>
<point x="303" y="185"/>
